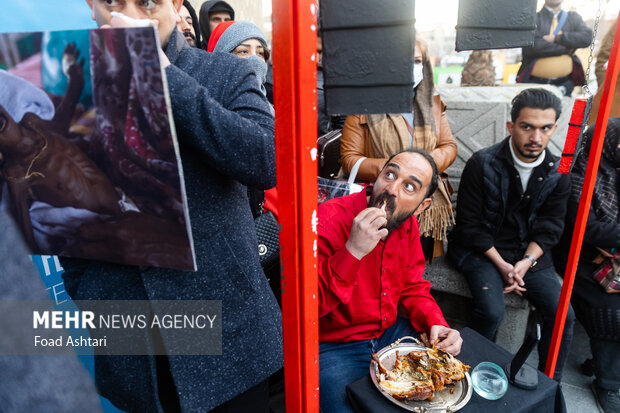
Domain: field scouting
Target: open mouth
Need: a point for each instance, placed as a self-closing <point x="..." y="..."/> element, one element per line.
<point x="387" y="205"/>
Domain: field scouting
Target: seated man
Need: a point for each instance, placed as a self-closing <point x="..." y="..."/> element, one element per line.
<point x="551" y="60"/>
<point x="509" y="214"/>
<point x="370" y="261"/>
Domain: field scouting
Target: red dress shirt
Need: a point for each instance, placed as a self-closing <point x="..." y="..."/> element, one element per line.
<point x="358" y="299"/>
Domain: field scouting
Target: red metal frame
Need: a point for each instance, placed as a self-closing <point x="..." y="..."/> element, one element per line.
<point x="294" y="39"/>
<point x="586" y="197"/>
<point x="294" y="68"/>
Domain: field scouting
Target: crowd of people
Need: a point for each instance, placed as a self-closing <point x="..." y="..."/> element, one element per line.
<point x="511" y="224"/>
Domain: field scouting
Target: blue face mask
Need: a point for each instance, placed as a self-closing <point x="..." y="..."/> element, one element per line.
<point x="418" y="75"/>
<point x="260" y="68"/>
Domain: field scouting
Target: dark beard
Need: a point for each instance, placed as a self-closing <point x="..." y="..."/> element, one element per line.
<point x="528" y="155"/>
<point x="189" y="34"/>
<point x="395" y="221"/>
<point x="390" y="205"/>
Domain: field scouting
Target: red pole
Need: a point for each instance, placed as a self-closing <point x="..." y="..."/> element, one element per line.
<point x="585" y="200"/>
<point x="294" y="64"/>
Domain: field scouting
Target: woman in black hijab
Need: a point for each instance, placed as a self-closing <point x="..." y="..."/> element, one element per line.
<point x="597" y="310"/>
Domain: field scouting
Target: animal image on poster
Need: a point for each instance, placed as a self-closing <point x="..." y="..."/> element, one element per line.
<point x="89" y="163"/>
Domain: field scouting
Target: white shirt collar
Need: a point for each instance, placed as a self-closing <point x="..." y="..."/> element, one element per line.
<point x="526" y="165"/>
<point x="556" y="15"/>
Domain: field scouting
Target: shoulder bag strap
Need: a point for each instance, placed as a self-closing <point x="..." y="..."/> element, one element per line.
<point x="561" y="21"/>
<point x="354" y="170"/>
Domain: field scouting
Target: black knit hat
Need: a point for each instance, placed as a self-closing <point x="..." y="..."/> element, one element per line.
<point x="222" y="6"/>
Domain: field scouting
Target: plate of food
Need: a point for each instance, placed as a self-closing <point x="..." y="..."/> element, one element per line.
<point x="421" y="378"/>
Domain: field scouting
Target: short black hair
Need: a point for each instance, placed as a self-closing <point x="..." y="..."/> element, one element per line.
<point x="432" y="186"/>
<point x="537" y="98"/>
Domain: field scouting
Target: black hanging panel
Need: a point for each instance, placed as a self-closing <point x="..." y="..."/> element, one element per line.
<point x="495" y="24"/>
<point x="368" y="55"/>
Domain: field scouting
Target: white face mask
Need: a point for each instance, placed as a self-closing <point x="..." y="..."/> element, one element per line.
<point x="418" y="75"/>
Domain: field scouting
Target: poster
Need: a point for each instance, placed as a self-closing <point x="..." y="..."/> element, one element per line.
<point x="89" y="163"/>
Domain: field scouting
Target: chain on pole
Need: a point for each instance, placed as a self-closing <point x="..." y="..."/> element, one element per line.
<point x="597" y="20"/>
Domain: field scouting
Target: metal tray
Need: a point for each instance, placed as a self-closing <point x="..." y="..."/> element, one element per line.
<point x="444" y="401"/>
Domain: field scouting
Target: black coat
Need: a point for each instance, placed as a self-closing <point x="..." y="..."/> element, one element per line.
<point x="482" y="202"/>
<point x="226" y="138"/>
<point x="597" y="233"/>
<point x="575" y="35"/>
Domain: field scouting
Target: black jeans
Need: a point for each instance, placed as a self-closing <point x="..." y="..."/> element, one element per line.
<point x="543" y="291"/>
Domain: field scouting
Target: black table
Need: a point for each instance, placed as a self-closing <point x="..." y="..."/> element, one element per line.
<point x="547" y="398"/>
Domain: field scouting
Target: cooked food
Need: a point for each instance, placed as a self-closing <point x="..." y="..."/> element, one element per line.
<point x="406" y="381"/>
<point x="419" y="374"/>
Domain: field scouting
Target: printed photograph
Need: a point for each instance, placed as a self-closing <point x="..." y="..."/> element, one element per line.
<point x="89" y="165"/>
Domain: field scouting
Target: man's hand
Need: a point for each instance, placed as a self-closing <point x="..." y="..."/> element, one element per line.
<point x="514" y="287"/>
<point x="506" y="270"/>
<point x="517" y="285"/>
<point x="520" y="268"/>
<point x="549" y="37"/>
<point x="366" y="232"/>
<point x="120" y="20"/>
<point x="451" y="340"/>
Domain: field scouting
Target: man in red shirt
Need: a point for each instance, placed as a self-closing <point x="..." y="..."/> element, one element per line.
<point x="370" y="261"/>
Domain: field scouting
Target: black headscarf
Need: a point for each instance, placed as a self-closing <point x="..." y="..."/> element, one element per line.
<point x="605" y="197"/>
<point x="195" y="23"/>
<point x="207" y="8"/>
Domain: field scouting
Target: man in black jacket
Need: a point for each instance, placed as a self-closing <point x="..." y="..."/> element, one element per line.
<point x="510" y="213"/>
<point x="212" y="13"/>
<point x="225" y="133"/>
<point x="551" y="60"/>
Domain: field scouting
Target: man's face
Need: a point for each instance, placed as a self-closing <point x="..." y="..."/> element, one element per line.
<point x="165" y="12"/>
<point x="186" y="26"/>
<point x="531" y="132"/>
<point x="319" y="51"/>
<point x="218" y="17"/>
<point x="402" y="185"/>
<point x="553" y="3"/>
